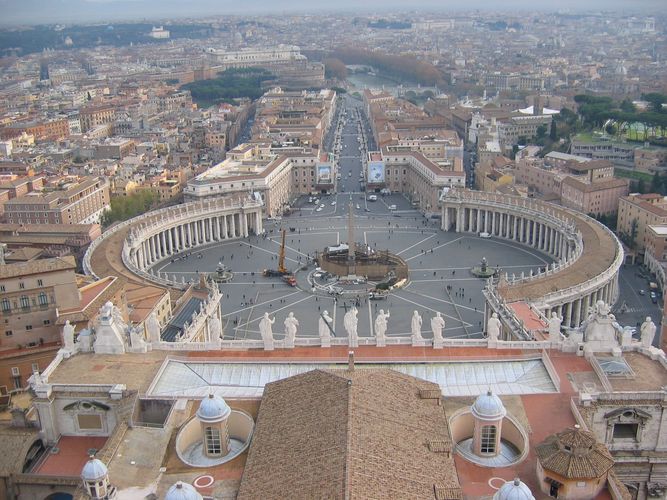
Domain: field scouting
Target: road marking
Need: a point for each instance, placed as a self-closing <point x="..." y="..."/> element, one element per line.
<point x="412" y="246"/>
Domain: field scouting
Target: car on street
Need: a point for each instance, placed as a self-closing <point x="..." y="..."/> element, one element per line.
<point x="333" y="203"/>
<point x="318" y="209"/>
<point x="642" y="292"/>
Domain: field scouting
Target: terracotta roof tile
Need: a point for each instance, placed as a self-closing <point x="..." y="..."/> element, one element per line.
<point x="348" y="434"/>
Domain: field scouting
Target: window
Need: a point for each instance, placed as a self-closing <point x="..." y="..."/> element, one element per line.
<point x="488" y="442"/>
<point x="2" y="288"/>
<point x="28" y="327"/>
<point x="25" y="302"/>
<point x="47" y="321"/>
<point x="34" y="367"/>
<point x="626" y="431"/>
<point x="8" y="333"/>
<point x="43" y="300"/>
<point x="21" y="285"/>
<point x="40" y="283"/>
<point x="15" y="371"/>
<point x="6" y="306"/>
<point x="213" y="445"/>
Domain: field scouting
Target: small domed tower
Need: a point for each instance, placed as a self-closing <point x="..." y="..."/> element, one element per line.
<point x="514" y="490"/>
<point x="182" y="491"/>
<point x="213" y="413"/>
<point x="488" y="411"/>
<point x="95" y="476"/>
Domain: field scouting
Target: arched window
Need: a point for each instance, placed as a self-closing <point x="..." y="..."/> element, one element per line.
<point x="213" y="444"/>
<point x="6" y="306"/>
<point x="488" y="439"/>
<point x="25" y="302"/>
<point x="43" y="300"/>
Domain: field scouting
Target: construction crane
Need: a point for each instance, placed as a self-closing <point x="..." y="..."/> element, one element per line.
<point x="282" y="271"/>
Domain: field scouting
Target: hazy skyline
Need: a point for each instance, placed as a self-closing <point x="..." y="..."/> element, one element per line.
<point x="72" y="11"/>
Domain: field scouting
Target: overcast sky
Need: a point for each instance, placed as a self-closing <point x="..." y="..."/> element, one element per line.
<point x="63" y="11"/>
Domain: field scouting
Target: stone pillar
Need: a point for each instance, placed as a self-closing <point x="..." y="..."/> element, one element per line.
<point x="470" y="227"/>
<point x="258" y="222"/>
<point x="479" y="221"/>
<point x="163" y="244"/>
<point x="225" y="231"/>
<point x="233" y="227"/>
<point x="493" y="223"/>
<point x="577" y="312"/>
<point x="151" y="247"/>
<point x="515" y="228"/>
<point x="570" y="313"/>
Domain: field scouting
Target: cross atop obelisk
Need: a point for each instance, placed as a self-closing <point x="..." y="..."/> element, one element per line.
<point x="350" y="232"/>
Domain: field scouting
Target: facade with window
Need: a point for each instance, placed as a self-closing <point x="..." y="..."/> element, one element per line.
<point x="32" y="294"/>
<point x="33" y="291"/>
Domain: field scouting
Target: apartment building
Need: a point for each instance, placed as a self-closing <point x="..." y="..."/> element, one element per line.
<point x="636" y="212"/>
<point x="81" y="202"/>
<point x="31" y="294"/>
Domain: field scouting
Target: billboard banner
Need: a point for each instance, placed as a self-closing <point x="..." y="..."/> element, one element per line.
<point x="375" y="172"/>
<point x="324" y="174"/>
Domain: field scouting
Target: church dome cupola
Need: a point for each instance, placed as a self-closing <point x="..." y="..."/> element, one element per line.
<point x="488" y="407"/>
<point x="182" y="491"/>
<point x="213" y="409"/>
<point x="514" y="490"/>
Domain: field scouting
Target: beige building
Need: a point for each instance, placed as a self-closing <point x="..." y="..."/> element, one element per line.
<point x="31" y="295"/>
<point x="597" y="198"/>
<point x="253" y="171"/>
<point x="646" y="210"/>
<point x="32" y="292"/>
<point x="81" y="202"/>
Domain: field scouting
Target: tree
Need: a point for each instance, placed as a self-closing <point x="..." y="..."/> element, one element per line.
<point x="627" y="106"/>
<point x="634" y="224"/>
<point x="541" y="131"/>
<point x="335" y="68"/>
<point x="656" y="183"/>
<point x="553" y="133"/>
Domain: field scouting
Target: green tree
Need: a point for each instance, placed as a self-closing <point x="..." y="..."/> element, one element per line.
<point x="656" y="183"/>
<point x="553" y="132"/>
<point x="541" y="131"/>
<point x="626" y="106"/>
<point x="126" y="207"/>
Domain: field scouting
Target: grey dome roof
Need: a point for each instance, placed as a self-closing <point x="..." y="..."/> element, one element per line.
<point x="213" y="409"/>
<point x="514" y="490"/>
<point x="93" y="470"/>
<point x="488" y="407"/>
<point x="182" y="491"/>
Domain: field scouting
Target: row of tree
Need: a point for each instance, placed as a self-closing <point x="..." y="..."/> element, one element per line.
<point x="595" y="111"/>
<point x="126" y="207"/>
<point x="404" y="68"/>
<point x="230" y="84"/>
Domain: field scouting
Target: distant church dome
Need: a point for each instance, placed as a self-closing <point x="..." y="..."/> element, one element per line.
<point x="182" y="491"/>
<point x="213" y="409"/>
<point x="94" y="470"/>
<point x="488" y="407"/>
<point x="514" y="490"/>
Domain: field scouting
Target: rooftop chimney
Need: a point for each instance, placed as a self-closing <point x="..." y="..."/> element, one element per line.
<point x="350" y="361"/>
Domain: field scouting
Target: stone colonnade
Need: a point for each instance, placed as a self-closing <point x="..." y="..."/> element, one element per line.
<point x="183" y="230"/>
<point x="545" y="228"/>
